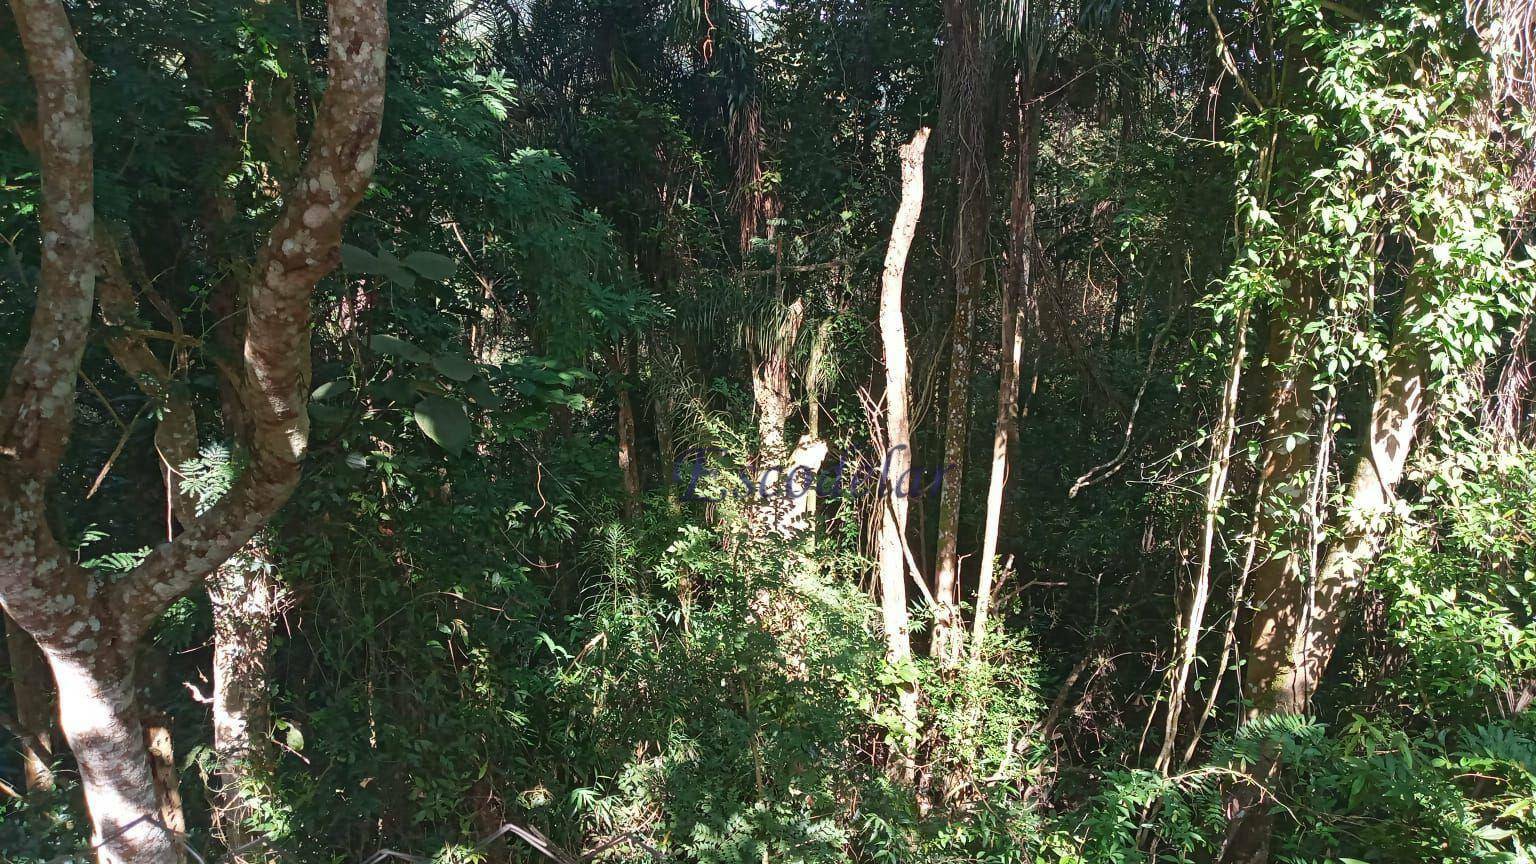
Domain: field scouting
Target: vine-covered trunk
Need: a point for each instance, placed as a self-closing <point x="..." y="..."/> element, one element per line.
<point x="964" y="103"/>
<point x="770" y="381"/>
<point x="1293" y="639"/>
<point x="1285" y="461"/>
<point x="891" y="540"/>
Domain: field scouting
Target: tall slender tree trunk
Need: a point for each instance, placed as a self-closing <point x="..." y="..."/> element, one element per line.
<point x="32" y="688"/>
<point x="891" y="542"/>
<point x="1192" y="621"/>
<point x="1017" y="301"/>
<point x="965" y="104"/>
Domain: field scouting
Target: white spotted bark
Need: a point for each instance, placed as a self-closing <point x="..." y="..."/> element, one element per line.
<point x="244" y="599"/>
<point x="90" y="629"/>
<point x="101" y="724"/>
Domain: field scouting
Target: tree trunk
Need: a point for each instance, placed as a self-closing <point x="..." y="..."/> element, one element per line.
<point x="770" y="380"/>
<point x="1192" y="622"/>
<point x="244" y="601"/>
<point x="101" y="725"/>
<point x="31" y="686"/>
<point x="1293" y="641"/>
<point x="1366" y="514"/>
<point x="629" y="460"/>
<point x="1287" y="455"/>
<point x="89" y="629"/>
<point x="964" y="103"/>
<point x="1508" y="405"/>
<point x="891" y="542"/>
<point x="162" y="767"/>
<point x="1017" y="300"/>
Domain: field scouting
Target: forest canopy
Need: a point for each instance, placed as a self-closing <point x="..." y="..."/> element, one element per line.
<point x="748" y="431"/>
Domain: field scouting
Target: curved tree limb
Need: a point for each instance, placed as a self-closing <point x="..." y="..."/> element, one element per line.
<point x="37" y="411"/>
<point x="302" y="249"/>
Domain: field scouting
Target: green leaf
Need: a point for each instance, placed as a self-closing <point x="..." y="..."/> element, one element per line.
<point x="395" y="389"/>
<point x="394" y="346"/>
<point x="355" y="260"/>
<point x="445" y="421"/>
<point x="402" y="277"/>
<point x="431" y="265"/>
<point x="480" y="390"/>
<point x="331" y="389"/>
<point x="455" y="366"/>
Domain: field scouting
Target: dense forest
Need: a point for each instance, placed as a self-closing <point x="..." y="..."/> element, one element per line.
<point x="749" y="431"/>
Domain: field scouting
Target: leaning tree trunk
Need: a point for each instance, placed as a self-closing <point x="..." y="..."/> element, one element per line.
<point x="90" y="629"/>
<point x="964" y="101"/>
<point x="892" y="541"/>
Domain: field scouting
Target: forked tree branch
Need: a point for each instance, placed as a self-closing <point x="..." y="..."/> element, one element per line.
<point x="302" y="249"/>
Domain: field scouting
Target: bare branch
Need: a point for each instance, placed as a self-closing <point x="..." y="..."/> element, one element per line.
<point x="176" y="431"/>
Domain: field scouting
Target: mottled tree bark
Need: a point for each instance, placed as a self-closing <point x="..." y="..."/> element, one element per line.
<point x="964" y="103"/>
<point x="244" y="598"/>
<point x="90" y="629"/>
<point x="891" y="542"/>
<point x="162" y="768"/>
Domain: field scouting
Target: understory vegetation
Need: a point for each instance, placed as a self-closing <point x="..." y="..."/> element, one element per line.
<point x="795" y="431"/>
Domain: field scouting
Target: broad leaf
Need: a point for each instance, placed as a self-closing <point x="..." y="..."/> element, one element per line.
<point x="331" y="389"/>
<point x="355" y="260"/>
<point x="431" y="265"/>
<point x="394" y="346"/>
<point x="455" y="367"/>
<point x="445" y="421"/>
